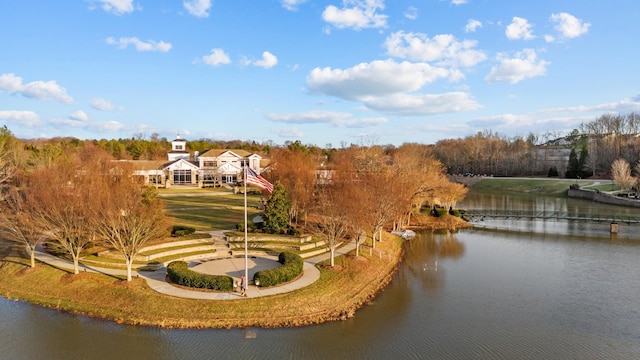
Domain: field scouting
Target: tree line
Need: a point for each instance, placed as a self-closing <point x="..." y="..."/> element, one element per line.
<point x="357" y="191"/>
<point x="588" y="150"/>
<point x="75" y="194"/>
<point x="76" y="199"/>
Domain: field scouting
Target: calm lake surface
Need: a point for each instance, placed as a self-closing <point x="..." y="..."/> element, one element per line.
<point x="508" y="290"/>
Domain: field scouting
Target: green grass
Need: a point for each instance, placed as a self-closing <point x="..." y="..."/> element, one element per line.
<point x="542" y="186"/>
<point x="191" y="190"/>
<point x="220" y="212"/>
<point x="165" y="249"/>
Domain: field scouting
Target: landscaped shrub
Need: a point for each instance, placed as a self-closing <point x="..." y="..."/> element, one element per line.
<point x="179" y="273"/>
<point x="439" y="212"/>
<point x="294" y="231"/>
<point x="290" y="269"/>
<point x="454" y="212"/>
<point x="251" y="227"/>
<point x="180" y="230"/>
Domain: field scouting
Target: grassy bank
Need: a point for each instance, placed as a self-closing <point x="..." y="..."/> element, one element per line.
<point x="338" y="293"/>
<point x="542" y="186"/>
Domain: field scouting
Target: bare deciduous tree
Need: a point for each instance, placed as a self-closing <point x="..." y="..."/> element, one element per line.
<point x="127" y="215"/>
<point x="17" y="225"/>
<point x="621" y="174"/>
<point x="331" y="222"/>
<point x="59" y="200"/>
<point x="296" y="171"/>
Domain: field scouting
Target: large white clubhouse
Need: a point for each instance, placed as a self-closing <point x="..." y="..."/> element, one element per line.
<point x="215" y="167"/>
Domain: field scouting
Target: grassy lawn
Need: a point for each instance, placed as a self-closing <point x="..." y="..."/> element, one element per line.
<point x="219" y="212"/>
<point x="543" y="186"/>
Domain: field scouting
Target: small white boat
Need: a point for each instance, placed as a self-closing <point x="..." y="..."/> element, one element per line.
<point x="406" y="234"/>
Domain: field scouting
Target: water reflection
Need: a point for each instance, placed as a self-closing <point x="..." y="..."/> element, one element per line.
<point x="513" y="290"/>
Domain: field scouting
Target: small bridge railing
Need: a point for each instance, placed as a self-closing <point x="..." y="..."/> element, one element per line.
<point x="479" y="215"/>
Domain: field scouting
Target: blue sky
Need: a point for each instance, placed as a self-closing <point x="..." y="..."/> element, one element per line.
<point x="322" y="72"/>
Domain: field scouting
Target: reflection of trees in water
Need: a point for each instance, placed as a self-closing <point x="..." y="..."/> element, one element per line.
<point x="449" y="246"/>
<point x="423" y="252"/>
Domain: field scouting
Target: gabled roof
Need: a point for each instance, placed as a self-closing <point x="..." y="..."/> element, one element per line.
<point x="180" y="164"/>
<point x="214" y="153"/>
<point x="146" y="164"/>
<point x="229" y="168"/>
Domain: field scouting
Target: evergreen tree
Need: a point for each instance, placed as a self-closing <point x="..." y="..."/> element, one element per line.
<point x="583" y="172"/>
<point x="276" y="211"/>
<point x="572" y="169"/>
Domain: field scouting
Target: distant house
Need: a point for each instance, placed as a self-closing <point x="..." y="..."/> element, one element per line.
<point x="211" y="168"/>
<point x="225" y="165"/>
<point x="554" y="153"/>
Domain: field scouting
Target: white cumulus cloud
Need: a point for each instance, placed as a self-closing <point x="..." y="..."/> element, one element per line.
<point x="519" y="29"/>
<point x="198" y="8"/>
<point x="336" y="119"/>
<point x="46" y="90"/>
<point x="568" y="25"/>
<point x="149" y="45"/>
<point x="626" y="105"/>
<point x="292" y="5"/>
<point x="443" y="49"/>
<point x="390" y="87"/>
<point x="411" y="13"/>
<point x="356" y="14"/>
<point x="20" y="117"/>
<point x="523" y="65"/>
<point x="117" y="7"/>
<point x="103" y="104"/>
<point x="268" y="60"/>
<point x="422" y="104"/>
<point x="79" y="116"/>
<point x="378" y="78"/>
<point x="217" y="57"/>
<point x="472" y="25"/>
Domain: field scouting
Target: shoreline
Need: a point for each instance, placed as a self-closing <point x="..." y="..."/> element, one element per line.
<point x="18" y="282"/>
<point x="337" y="295"/>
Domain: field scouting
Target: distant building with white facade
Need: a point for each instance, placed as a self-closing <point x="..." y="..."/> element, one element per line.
<point x="214" y="167"/>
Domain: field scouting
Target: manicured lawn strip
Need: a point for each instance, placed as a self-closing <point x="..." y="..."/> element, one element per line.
<point x="102" y="259"/>
<point x="213" y="212"/>
<point x="180" y="191"/>
<point x="230" y="200"/>
<point x="182" y="255"/>
<point x="552" y="187"/>
<point x="207" y="219"/>
<point x="608" y="187"/>
<point x="165" y="249"/>
<point x="336" y="295"/>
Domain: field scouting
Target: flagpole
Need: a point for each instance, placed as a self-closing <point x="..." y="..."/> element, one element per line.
<point x="246" y="256"/>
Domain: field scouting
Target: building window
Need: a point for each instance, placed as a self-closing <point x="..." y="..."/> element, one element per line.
<point x="230" y="179"/>
<point x="178" y="147"/>
<point x="208" y="163"/>
<point x="182" y="177"/>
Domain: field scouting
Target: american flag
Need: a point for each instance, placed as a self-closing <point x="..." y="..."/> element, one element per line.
<point x="254" y="179"/>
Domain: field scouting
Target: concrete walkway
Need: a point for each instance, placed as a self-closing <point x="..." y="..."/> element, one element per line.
<point x="232" y="266"/>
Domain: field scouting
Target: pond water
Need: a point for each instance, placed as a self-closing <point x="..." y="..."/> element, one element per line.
<point x="518" y="289"/>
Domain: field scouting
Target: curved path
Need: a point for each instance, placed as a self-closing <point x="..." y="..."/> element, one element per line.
<point x="232" y="266"/>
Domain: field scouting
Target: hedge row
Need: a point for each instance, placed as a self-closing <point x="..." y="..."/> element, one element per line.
<point x="181" y="230"/>
<point x="180" y="274"/>
<point x="290" y="269"/>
